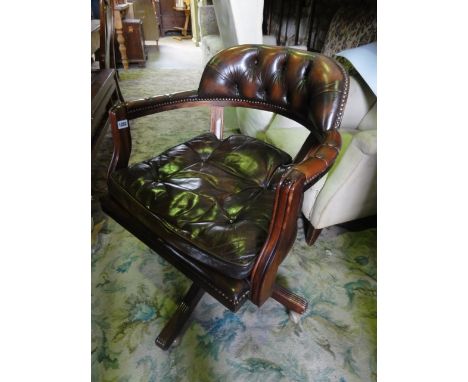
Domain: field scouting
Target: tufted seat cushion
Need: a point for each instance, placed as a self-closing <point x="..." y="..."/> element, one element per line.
<point x="211" y="199"/>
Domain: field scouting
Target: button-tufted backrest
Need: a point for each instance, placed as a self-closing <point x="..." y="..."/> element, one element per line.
<point x="307" y="87"/>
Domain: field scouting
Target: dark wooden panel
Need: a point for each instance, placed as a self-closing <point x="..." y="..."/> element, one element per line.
<point x="135" y="42"/>
<point x="170" y="18"/>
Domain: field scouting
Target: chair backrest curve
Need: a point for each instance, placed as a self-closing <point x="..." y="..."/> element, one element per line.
<point x="308" y="87"/>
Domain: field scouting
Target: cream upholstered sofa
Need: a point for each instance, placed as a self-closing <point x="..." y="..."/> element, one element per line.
<point x="349" y="191"/>
<point x="226" y="23"/>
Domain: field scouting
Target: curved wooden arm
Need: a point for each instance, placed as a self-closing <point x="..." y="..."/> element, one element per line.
<point x="288" y="201"/>
<point x="317" y="161"/>
<point x="320" y="158"/>
<point x="151" y="105"/>
<point x="120" y="128"/>
<point x="281" y="236"/>
<point x="120" y="115"/>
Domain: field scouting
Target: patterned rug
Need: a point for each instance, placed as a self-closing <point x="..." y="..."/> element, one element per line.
<point x="135" y="292"/>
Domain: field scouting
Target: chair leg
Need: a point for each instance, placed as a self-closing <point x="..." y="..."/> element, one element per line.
<point x="311" y="233"/>
<point x="289" y="299"/>
<point x="179" y="320"/>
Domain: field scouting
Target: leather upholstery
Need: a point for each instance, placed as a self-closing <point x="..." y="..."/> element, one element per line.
<point x="308" y="87"/>
<point x="230" y="292"/>
<point x="210" y="199"/>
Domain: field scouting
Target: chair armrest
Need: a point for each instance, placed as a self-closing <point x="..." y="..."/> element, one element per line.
<point x="122" y="112"/>
<point x="140" y="108"/>
<point x="320" y="158"/>
<point x="281" y="235"/>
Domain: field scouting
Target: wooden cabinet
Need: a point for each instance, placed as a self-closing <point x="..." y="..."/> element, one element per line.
<point x="170" y="18"/>
<point x="134" y="41"/>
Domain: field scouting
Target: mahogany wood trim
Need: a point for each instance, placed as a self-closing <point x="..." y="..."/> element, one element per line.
<point x="217" y="121"/>
<point x="289" y="299"/>
<point x="288" y="200"/>
<point x="320" y="158"/>
<point x="121" y="137"/>
<point x="179" y="320"/>
<point x="281" y="235"/>
<point x="157" y="104"/>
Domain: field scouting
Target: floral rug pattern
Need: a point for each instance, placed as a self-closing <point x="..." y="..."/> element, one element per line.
<point x="135" y="292"/>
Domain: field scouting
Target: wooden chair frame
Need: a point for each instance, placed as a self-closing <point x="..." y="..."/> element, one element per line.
<point x="313" y="161"/>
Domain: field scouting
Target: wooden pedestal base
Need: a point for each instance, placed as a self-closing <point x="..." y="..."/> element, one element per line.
<point x="178" y="321"/>
<point x="289" y="299"/>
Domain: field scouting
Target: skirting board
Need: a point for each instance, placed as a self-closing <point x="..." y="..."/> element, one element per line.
<point x="151" y="42"/>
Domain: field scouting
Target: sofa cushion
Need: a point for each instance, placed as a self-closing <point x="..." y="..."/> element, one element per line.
<point x="211" y="199"/>
<point x="289" y="139"/>
<point x="210" y="45"/>
<point x="360" y="100"/>
<point x="251" y="122"/>
<point x="369" y="122"/>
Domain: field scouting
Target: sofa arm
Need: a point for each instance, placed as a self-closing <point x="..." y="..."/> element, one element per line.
<point x="350" y="191"/>
<point x="366" y="141"/>
<point x="207" y="20"/>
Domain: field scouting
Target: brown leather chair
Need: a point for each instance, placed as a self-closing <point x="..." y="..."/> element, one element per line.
<point x="224" y="211"/>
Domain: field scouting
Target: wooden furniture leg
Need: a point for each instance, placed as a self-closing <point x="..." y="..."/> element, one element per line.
<point x="311" y="233"/>
<point x="179" y="320"/>
<point x="187" y="17"/>
<point x="289" y="299"/>
<point x="184" y="29"/>
<point x="120" y="38"/>
<point x="217" y="121"/>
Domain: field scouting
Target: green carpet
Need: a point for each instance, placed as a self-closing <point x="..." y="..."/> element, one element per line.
<point x="134" y="291"/>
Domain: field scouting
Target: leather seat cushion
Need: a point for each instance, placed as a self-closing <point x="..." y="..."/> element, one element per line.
<point x="211" y="199"/>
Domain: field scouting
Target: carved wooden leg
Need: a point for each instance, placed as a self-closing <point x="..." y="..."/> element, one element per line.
<point x="178" y="321"/>
<point x="187" y="17"/>
<point x="289" y="299"/>
<point x="120" y="38"/>
<point x="311" y="233"/>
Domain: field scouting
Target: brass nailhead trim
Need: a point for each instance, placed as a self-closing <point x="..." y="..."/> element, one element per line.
<point x="166" y="103"/>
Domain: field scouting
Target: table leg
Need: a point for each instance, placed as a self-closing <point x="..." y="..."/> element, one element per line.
<point x="187" y="16"/>
<point x="120" y="38"/>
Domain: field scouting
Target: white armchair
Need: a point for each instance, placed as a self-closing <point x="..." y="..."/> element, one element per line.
<point x="348" y="192"/>
<point x="226" y="23"/>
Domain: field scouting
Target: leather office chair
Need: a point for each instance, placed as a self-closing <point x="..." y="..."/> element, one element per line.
<point x="224" y="211"/>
